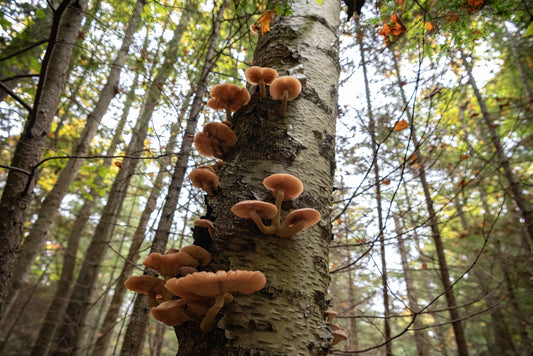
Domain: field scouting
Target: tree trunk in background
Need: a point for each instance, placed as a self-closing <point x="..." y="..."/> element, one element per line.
<point x="516" y="187"/>
<point x="421" y="344"/>
<point x="18" y="189"/>
<point x="79" y="298"/>
<point x="287" y="317"/>
<point x="135" y="332"/>
<point x="377" y="183"/>
<point x="49" y="207"/>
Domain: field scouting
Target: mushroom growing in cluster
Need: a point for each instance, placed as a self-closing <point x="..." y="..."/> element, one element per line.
<point x="216" y="287"/>
<point x="262" y="77"/>
<point x="284" y="187"/>
<point x="214" y="140"/>
<point x="228" y="97"/>
<point x="204" y="179"/>
<point x="285" y="88"/>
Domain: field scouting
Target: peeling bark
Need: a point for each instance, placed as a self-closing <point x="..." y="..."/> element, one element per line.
<point x="287" y="317"/>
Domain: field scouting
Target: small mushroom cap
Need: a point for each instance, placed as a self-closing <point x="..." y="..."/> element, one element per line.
<point x="171" y="313"/>
<point x="168" y="265"/>
<point x="202" y="143"/>
<point x="291" y="185"/>
<point x="255" y="74"/>
<point x="334" y="326"/>
<point x="331" y="314"/>
<point x="263" y="209"/>
<point x="286" y="83"/>
<point x="145" y="284"/>
<point x="204" y="223"/>
<point x="204" y="179"/>
<point x="209" y="284"/>
<point x="307" y="215"/>
<point x="198" y="253"/>
<point x="225" y="136"/>
<point x="338" y="336"/>
<point x="228" y="94"/>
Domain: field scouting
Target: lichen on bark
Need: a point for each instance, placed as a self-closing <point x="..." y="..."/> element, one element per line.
<point x="287" y="316"/>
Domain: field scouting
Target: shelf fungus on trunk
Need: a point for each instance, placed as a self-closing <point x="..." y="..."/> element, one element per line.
<point x="285" y="88"/>
<point x="262" y="77"/>
<point x="228" y="97"/>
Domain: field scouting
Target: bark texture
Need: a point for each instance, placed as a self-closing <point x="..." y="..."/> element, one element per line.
<point x="17" y="193"/>
<point x="287" y="317"/>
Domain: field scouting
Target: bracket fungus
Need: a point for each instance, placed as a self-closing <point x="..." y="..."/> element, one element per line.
<point x="204" y="179"/>
<point x="285" y="88"/>
<point x="215" y="285"/>
<point x="284" y="187"/>
<point x="207" y="224"/>
<point x="262" y="77"/>
<point x="338" y="336"/>
<point x="228" y="97"/>
<point x="169" y="265"/>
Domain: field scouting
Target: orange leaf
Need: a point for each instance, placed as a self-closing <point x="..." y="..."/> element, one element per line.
<point x="401" y="125"/>
<point x="386" y="181"/>
<point x="464" y="156"/>
<point x="429" y="26"/>
<point x="118" y="164"/>
<point x="266" y="17"/>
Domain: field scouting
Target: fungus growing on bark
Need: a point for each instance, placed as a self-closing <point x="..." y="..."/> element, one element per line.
<point x="215" y="285"/>
<point x="171" y="313"/>
<point x="262" y="77"/>
<point x="198" y="253"/>
<point x="168" y="265"/>
<point x="334" y="326"/>
<point x="204" y="179"/>
<point x="214" y="140"/>
<point x="151" y="286"/>
<point x="331" y="314"/>
<point x="285" y="89"/>
<point x="338" y="336"/>
<point x="228" y="97"/>
<point x="208" y="224"/>
<point x="256" y="210"/>
<point x="298" y="220"/>
<point x="284" y="187"/>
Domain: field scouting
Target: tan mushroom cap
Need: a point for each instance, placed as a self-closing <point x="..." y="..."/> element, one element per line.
<point x="168" y="265"/>
<point x="230" y="95"/>
<point x="204" y="223"/>
<point x="225" y="136"/>
<point x="334" y="326"/>
<point x="209" y="284"/>
<point x="331" y="314"/>
<point x="144" y="284"/>
<point x="204" y="179"/>
<point x="255" y="75"/>
<point x="307" y="216"/>
<point x="171" y="313"/>
<point x="203" y="145"/>
<point x="198" y="253"/>
<point x="291" y="186"/>
<point x="338" y="336"/>
<point x="286" y="83"/>
<point x="263" y="209"/>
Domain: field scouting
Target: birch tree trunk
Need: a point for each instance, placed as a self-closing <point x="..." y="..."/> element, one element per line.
<point x="287" y="317"/>
<point x="48" y="210"/>
<point x="18" y="189"/>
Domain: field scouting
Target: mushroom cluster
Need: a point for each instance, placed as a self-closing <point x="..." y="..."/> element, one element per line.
<point x="202" y="294"/>
<point x="336" y="332"/>
<point x="284" y="187"/>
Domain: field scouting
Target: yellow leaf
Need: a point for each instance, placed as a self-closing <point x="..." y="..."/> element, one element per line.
<point x="268" y="15"/>
<point x="429" y="26"/>
<point x="319" y="2"/>
<point x="401" y="125"/>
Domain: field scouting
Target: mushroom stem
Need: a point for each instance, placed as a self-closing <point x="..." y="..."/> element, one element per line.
<point x="268" y="230"/>
<point x="207" y="321"/>
<point x="283" y="109"/>
<point x="288" y="231"/>
<point x="280" y="194"/>
<point x="262" y="88"/>
<point x="152" y="301"/>
<point x="228" y="112"/>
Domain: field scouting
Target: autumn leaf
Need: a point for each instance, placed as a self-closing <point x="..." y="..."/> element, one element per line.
<point x="266" y="17"/>
<point x="118" y="164"/>
<point x="428" y="25"/>
<point x="464" y="156"/>
<point x="401" y="125"/>
<point x="386" y="181"/>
